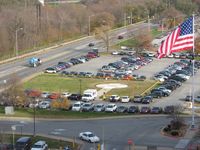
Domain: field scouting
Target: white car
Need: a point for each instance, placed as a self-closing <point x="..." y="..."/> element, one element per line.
<point x="65" y="94"/>
<point x="50" y="70"/>
<point x="45" y="94"/>
<point x="115" y="53"/>
<point x="111" y="108"/>
<point x="125" y="99"/>
<point x="44" y="104"/>
<point x="77" y="106"/>
<point x="40" y="145"/>
<point x="89" y="136"/>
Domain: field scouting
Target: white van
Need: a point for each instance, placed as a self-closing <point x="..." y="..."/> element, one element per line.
<point x="89" y="95"/>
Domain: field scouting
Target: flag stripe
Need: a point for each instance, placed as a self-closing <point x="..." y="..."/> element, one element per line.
<point x="180" y="39"/>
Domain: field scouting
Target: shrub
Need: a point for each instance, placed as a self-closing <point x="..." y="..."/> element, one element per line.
<point x="174" y="133"/>
<point x="166" y="129"/>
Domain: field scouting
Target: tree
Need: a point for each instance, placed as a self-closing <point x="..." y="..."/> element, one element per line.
<point x="102" y="33"/>
<point x="14" y="95"/>
<point x="197" y="45"/>
<point x="177" y="120"/>
<point x="143" y="41"/>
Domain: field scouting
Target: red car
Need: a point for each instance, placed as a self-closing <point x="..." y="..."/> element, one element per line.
<point x="33" y="93"/>
<point x="54" y="96"/>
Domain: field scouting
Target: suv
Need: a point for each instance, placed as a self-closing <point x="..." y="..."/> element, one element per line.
<point x="40" y="145"/>
<point x="23" y="143"/>
<point x="76" y="97"/>
<point x="114" y="98"/>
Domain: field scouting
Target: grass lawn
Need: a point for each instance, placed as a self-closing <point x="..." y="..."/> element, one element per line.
<point x="59" y="114"/>
<point x="52" y="143"/>
<point x="58" y="83"/>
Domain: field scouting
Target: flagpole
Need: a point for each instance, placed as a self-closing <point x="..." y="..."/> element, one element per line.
<point x="193" y="61"/>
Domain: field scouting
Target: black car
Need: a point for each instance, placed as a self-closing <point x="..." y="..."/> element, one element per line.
<point x="91" y="44"/>
<point x="157" y="94"/>
<point x="178" y="78"/>
<point x="133" y="109"/>
<point x="145" y="110"/>
<point x="75" y="97"/>
<point x="147" y="100"/>
<point x="169" y="109"/>
<point x="122" y="109"/>
<point x="164" y="93"/>
<point x="156" y="110"/>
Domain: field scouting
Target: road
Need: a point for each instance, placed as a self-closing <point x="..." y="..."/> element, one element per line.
<point x="61" y="53"/>
<point x="114" y="132"/>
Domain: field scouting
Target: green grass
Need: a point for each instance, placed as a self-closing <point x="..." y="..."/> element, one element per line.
<point x="52" y="143"/>
<point x="59" y="114"/>
<point x="155" y="32"/>
<point x="58" y="83"/>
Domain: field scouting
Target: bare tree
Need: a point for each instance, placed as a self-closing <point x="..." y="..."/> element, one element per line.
<point x="102" y="33"/>
<point x="14" y="95"/>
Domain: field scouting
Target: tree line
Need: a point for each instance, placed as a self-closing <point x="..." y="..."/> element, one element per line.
<point x="36" y="26"/>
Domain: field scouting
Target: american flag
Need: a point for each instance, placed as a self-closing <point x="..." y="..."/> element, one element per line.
<point x="180" y="39"/>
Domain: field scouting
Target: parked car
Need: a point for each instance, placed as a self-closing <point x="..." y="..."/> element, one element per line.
<point x="66" y="148"/>
<point x="188" y="98"/>
<point x="65" y="94"/>
<point x="99" y="107"/>
<point x="75" y="97"/>
<point x="137" y="99"/>
<point x="125" y="99"/>
<point x="145" y="110"/>
<point x="114" y="98"/>
<point x="23" y="143"/>
<point x="50" y="70"/>
<point x="147" y="99"/>
<point x="87" y="107"/>
<point x="40" y="145"/>
<point x="169" y="109"/>
<point x="197" y="99"/>
<point x="133" y="109"/>
<point x="54" y="96"/>
<point x="121" y="109"/>
<point x="44" y="104"/>
<point x="45" y="94"/>
<point x="111" y="108"/>
<point x="156" y="110"/>
<point x="89" y="136"/>
<point x="77" y="106"/>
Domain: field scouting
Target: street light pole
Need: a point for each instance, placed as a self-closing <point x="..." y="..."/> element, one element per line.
<point x="16" y="40"/>
<point x="80" y="86"/>
<point x="13" y="130"/>
<point x="34" y="118"/>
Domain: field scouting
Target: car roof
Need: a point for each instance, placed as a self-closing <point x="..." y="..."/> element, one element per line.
<point x="40" y="143"/>
<point x="23" y="139"/>
<point x="87" y="132"/>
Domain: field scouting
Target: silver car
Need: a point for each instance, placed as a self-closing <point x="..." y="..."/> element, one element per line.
<point x="99" y="107"/>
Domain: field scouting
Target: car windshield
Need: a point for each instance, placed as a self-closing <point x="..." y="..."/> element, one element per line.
<point x="76" y="105"/>
<point x="90" y="135"/>
<point x="87" y="105"/>
<point x="113" y="96"/>
<point x="110" y="106"/>
<point x="87" y="95"/>
<point x="98" y="106"/>
<point x="124" y="97"/>
<point x="37" y="146"/>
